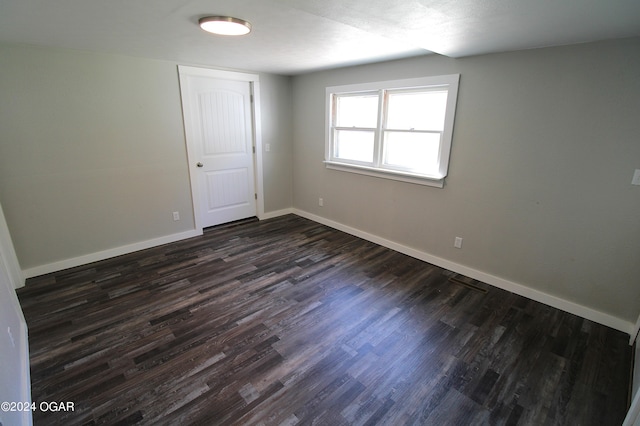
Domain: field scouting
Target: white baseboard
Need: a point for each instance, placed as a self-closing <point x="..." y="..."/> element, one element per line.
<point x="118" y="251"/>
<point x="554" y="301"/>
<point x="538" y="296"/>
<point x="106" y="254"/>
<point x="271" y="215"/>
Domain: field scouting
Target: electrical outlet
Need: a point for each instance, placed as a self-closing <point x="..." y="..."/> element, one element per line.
<point x="458" y="242"/>
<point x="267" y="147"/>
<point x="636" y="178"/>
<point x="320" y="202"/>
<point x="176" y="215"/>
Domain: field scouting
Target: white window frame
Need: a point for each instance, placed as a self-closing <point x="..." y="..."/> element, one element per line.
<point x="449" y="82"/>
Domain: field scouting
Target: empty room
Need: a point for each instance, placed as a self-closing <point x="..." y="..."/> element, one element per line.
<point x="278" y="212"/>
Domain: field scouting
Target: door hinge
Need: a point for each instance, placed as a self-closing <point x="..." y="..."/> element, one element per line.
<point x="251" y="98"/>
<point x="255" y="196"/>
<point x="254" y="149"/>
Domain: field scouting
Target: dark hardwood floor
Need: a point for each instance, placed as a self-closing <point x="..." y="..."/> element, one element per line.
<point x="287" y="321"/>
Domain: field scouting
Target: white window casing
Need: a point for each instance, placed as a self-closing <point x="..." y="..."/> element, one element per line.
<point x="400" y="129"/>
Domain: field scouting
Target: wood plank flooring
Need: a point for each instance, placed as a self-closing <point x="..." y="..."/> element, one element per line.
<point x="286" y="321"/>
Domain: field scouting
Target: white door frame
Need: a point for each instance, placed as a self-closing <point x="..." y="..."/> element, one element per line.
<point x="633" y="415"/>
<point x="254" y="81"/>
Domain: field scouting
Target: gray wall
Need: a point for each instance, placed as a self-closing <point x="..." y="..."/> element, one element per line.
<point x="275" y="108"/>
<point x="544" y="148"/>
<point x="93" y="156"/>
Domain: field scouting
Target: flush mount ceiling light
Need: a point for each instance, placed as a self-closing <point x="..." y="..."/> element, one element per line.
<point x="225" y="25"/>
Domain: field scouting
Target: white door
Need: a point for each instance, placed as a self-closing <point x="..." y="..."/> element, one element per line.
<point x="219" y="130"/>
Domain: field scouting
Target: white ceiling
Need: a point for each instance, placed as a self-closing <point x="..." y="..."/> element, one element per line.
<point x="298" y="36"/>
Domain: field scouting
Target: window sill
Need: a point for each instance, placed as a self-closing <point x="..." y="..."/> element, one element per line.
<point x="437" y="182"/>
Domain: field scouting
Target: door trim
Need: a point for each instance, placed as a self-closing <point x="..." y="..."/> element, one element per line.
<point x="254" y="82"/>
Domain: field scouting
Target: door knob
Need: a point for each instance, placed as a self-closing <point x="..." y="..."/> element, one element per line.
<point x="200" y="165"/>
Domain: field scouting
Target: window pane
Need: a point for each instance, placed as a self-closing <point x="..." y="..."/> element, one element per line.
<point x="354" y="145"/>
<point x="417" y="110"/>
<point x="417" y="152"/>
<point x="357" y="111"/>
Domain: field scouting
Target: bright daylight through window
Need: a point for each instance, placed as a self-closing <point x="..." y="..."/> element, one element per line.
<point x="393" y="129"/>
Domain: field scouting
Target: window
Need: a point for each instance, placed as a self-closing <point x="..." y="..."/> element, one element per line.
<point x="393" y="129"/>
